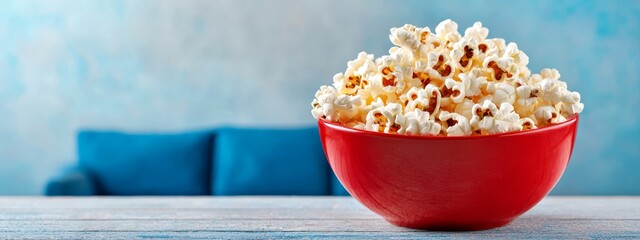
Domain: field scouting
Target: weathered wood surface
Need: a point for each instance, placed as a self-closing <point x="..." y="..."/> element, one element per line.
<point x="287" y="217"/>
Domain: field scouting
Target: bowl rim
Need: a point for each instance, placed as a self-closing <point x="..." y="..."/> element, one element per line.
<point x="340" y="127"/>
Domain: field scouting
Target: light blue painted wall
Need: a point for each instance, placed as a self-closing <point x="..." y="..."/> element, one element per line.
<point x="175" y="65"/>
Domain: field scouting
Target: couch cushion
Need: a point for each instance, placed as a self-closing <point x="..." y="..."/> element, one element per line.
<point x="270" y="162"/>
<point x="147" y="164"/>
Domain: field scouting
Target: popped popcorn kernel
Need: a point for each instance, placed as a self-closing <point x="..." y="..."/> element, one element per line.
<point x="548" y="115"/>
<point x="323" y="105"/>
<point x="448" y="84"/>
<point x="454" y="124"/>
<point x="452" y="92"/>
<point x="387" y="118"/>
<point x="447" y="30"/>
<point x="473" y="81"/>
<point x="476" y="32"/>
<point x="421" y="123"/>
<point x="526" y="123"/>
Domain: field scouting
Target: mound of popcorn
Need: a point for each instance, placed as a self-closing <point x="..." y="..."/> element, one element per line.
<point x="448" y="84"/>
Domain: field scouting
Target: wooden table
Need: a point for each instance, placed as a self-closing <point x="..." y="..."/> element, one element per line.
<point x="287" y="217"/>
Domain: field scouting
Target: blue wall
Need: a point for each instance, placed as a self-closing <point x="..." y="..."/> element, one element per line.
<point x="175" y="65"/>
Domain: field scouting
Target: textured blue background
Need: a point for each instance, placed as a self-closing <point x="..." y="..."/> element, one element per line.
<point x="176" y="65"/>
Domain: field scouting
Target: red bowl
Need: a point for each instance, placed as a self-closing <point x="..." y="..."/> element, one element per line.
<point x="449" y="183"/>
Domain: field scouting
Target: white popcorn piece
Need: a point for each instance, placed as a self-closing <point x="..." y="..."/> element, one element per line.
<point x="465" y="108"/>
<point x="482" y="116"/>
<point x="527" y="99"/>
<point x="504" y="93"/>
<point x="405" y="36"/>
<point x="355" y="77"/>
<point x="429" y="42"/>
<point x="519" y="57"/>
<point x="506" y="120"/>
<point x="534" y="79"/>
<point x="391" y="73"/>
<point x="425" y="74"/>
<point x="503" y="68"/>
<point x="525" y="73"/>
<point x="388" y="87"/>
<point x="550" y="90"/>
<point x="570" y="104"/>
<point x="420" y="123"/>
<point x="347" y="85"/>
<point x="454" y="124"/>
<point x="362" y="65"/>
<point x="462" y="54"/>
<point x="447" y="30"/>
<point x="452" y="92"/>
<point x="547" y="115"/>
<point x="323" y="104"/>
<point x="476" y="32"/>
<point x="488" y="118"/>
<point x="494" y="47"/>
<point x="425" y="99"/>
<point x="347" y="107"/>
<point x="526" y="123"/>
<point x="439" y="64"/>
<point x="472" y="82"/>
<point x="550" y="73"/>
<point x="386" y="118"/>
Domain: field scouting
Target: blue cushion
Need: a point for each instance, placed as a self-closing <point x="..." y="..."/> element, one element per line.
<point x="270" y="162"/>
<point x="72" y="181"/>
<point x="147" y="164"/>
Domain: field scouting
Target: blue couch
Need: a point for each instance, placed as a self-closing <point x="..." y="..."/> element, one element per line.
<point x="225" y="161"/>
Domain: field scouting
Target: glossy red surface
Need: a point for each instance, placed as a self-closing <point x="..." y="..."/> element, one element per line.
<point x="449" y="183"/>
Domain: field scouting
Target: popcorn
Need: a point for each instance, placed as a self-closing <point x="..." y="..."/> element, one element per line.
<point x="346" y="106"/>
<point x="323" y="105"/>
<point x="386" y="118"/>
<point x="519" y="57"/>
<point x="447" y="30"/>
<point x="355" y="77"/>
<point x="487" y="118"/>
<point x="472" y="82"/>
<point x="503" y="68"/>
<point x="425" y="99"/>
<point x="527" y="99"/>
<point x="526" y="123"/>
<point x="547" y="115"/>
<point x="405" y="37"/>
<point x="504" y="93"/>
<point x="465" y="108"/>
<point x="446" y="84"/>
<point x="476" y="32"/>
<point x="482" y="116"/>
<point x="452" y="92"/>
<point x="462" y="54"/>
<point x="441" y="63"/>
<point x="570" y="103"/>
<point x="455" y="124"/>
<point x="550" y="73"/>
<point x="420" y="123"/>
